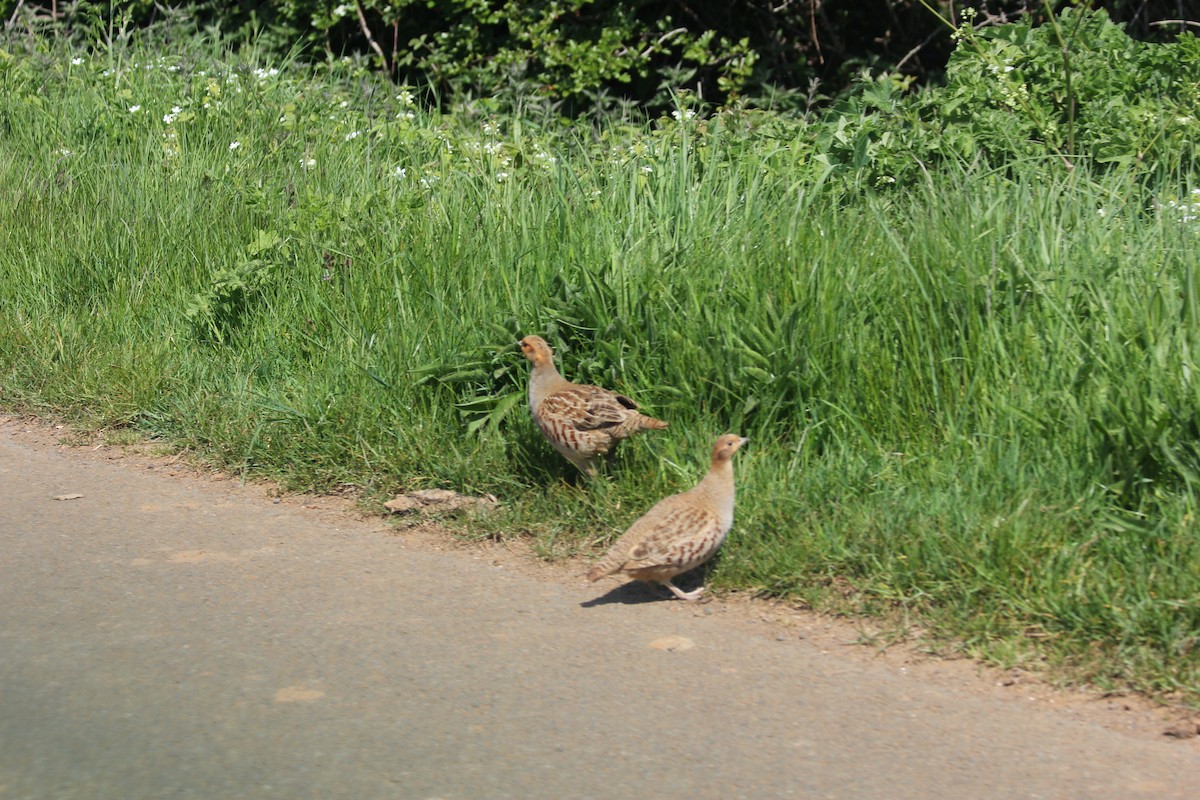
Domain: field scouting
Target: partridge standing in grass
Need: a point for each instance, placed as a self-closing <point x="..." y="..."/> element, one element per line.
<point x="680" y="532"/>
<point x="581" y="421"/>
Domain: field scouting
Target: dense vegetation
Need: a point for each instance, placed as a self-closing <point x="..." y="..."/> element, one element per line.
<point x="594" y="56"/>
<point x="959" y="325"/>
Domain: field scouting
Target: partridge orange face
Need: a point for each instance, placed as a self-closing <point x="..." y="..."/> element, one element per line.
<point x="536" y="350"/>
<point x="727" y="445"/>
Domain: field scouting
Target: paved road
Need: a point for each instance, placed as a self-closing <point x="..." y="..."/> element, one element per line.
<point x="162" y="638"/>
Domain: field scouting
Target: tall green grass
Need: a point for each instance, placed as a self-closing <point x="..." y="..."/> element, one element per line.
<point x="970" y="400"/>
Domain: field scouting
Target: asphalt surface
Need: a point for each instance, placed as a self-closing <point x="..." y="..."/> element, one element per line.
<point x="162" y="638"/>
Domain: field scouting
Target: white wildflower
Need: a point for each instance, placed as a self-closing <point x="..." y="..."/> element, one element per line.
<point x="76" y="61"/>
<point x="646" y="168"/>
<point x="342" y="11"/>
<point x="234" y="145"/>
<point x="134" y="109"/>
<point x="405" y="97"/>
<point x="62" y="151"/>
<point x="352" y="135"/>
<point x="501" y="177"/>
<point x="400" y="173"/>
<point x="308" y="163"/>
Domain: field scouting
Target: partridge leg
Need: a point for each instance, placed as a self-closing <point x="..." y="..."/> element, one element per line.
<point x="682" y="595"/>
<point x="587" y="466"/>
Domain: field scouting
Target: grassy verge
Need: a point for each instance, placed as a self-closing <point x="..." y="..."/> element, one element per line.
<point x="970" y="398"/>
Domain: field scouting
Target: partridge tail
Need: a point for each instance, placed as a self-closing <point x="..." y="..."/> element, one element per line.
<point x="636" y="422"/>
<point x="649" y="423"/>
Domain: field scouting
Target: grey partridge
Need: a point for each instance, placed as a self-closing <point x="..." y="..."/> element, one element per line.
<point x="581" y="421"/>
<point x="680" y="532"/>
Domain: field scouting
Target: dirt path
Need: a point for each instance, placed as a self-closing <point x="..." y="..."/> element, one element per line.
<point x="167" y="634"/>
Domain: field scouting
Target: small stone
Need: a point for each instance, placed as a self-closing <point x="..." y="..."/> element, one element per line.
<point x="439" y="501"/>
<point x="71" y="496"/>
<point x="298" y="694"/>
<point x="1184" y="730"/>
<point x="673" y="644"/>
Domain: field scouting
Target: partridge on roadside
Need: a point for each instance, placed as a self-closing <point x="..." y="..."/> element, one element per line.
<point x="581" y="421"/>
<point x="680" y="532"/>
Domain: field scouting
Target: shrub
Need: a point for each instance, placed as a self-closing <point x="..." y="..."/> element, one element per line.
<point x="1077" y="88"/>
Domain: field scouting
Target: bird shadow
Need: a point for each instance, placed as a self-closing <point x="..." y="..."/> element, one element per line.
<point x="631" y="593"/>
<point x="634" y="593"/>
<point x="530" y="455"/>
